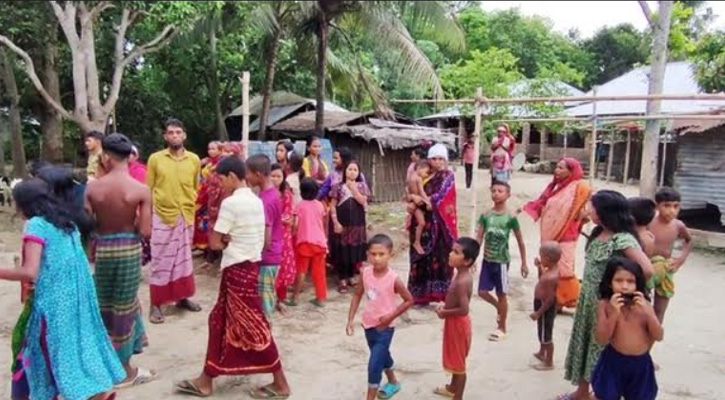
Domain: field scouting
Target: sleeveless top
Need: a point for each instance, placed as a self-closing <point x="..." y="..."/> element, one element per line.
<point x="380" y="294"/>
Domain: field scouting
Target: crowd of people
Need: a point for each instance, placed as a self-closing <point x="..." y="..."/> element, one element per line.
<point x="267" y="223"/>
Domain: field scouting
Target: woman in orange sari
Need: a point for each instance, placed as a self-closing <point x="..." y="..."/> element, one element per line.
<point x="559" y="212"/>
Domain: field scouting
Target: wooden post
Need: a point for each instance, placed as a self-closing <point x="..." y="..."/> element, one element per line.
<point x="526" y="138"/>
<point x="566" y="138"/>
<point x="245" y="112"/>
<point x="593" y="153"/>
<point x="627" y="155"/>
<point x="476" y="152"/>
<point x="544" y="144"/>
<point x="664" y="161"/>
<point x="610" y="157"/>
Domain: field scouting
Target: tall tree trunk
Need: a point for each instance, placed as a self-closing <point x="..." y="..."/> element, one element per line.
<point x="214" y="89"/>
<point x="3" y="127"/>
<point x="321" y="74"/>
<point x="650" y="148"/>
<point x="51" y="122"/>
<point x="16" y="127"/>
<point x="268" y="84"/>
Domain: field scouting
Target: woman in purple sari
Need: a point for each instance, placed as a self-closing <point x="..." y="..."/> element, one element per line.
<point x="430" y="274"/>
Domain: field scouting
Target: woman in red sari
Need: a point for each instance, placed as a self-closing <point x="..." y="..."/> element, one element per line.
<point x="201" y="222"/>
<point x="559" y="211"/>
<point x="430" y="274"/>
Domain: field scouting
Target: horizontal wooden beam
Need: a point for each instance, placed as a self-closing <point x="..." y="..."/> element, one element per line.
<point x="565" y="99"/>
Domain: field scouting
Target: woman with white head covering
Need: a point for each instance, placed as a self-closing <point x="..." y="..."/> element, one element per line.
<point x="430" y="274"/>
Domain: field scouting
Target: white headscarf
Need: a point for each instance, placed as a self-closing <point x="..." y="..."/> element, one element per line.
<point x="438" y="151"/>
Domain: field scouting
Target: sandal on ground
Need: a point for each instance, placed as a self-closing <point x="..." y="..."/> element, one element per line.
<point x="290" y="303"/>
<point x="266" y="392"/>
<point x="565" y="396"/>
<point x="156" y="316"/>
<point x="142" y="376"/>
<point x="188" y="305"/>
<point x="317" y="303"/>
<point x="188" y="387"/>
<point x="443" y="391"/>
<point x="542" y="367"/>
<point x="389" y="390"/>
<point x="497" y="336"/>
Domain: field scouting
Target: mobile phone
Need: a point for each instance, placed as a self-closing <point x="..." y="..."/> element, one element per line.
<point x="628" y="298"/>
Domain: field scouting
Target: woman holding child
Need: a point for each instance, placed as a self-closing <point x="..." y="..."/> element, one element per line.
<point x="559" y="210"/>
<point x="430" y="274"/>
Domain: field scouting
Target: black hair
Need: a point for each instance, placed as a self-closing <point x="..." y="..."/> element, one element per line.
<point x="420" y="152"/>
<point x="643" y="210"/>
<point x="175" y="123"/>
<point x="117" y="145"/>
<point x="295" y="164"/>
<point x="36" y="166"/>
<point x="288" y="146"/>
<point x="380" y="239"/>
<point x="233" y="165"/>
<point x="667" y="194"/>
<point x="309" y="189"/>
<point x="63" y="188"/>
<point x="359" y="171"/>
<point x="501" y="183"/>
<point x="284" y="186"/>
<point x="551" y="250"/>
<point x="422" y="163"/>
<point x="259" y="163"/>
<point x="615" y="263"/>
<point x="612" y="209"/>
<point x="94" y="135"/>
<point x="471" y="248"/>
<point x="311" y="140"/>
<point x="34" y="198"/>
<point x="345" y="156"/>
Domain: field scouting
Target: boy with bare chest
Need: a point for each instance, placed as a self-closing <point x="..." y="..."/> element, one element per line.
<point x="122" y="209"/>
<point x="457" y="329"/>
<point x="667" y="230"/>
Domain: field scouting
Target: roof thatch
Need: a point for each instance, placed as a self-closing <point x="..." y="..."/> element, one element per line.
<point x="305" y="122"/>
<point x="396" y="136"/>
<point x="281" y="99"/>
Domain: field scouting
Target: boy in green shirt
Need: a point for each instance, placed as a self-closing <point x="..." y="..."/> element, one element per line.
<point x="494" y="229"/>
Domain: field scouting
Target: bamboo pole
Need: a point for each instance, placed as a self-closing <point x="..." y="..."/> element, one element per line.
<point x="593" y="154"/>
<point x="705" y="117"/>
<point x="245" y="112"/>
<point x="664" y="162"/>
<point x="477" y="153"/>
<point x="564" y="99"/>
<point x="627" y="156"/>
<point x="610" y="157"/>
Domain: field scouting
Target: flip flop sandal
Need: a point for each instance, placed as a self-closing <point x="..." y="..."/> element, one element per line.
<point x="497" y="336"/>
<point x="142" y="376"/>
<point x="157" y="318"/>
<point x="189" y="306"/>
<point x="443" y="391"/>
<point x="542" y="367"/>
<point x="389" y="390"/>
<point x="317" y="303"/>
<point x="266" y="392"/>
<point x="188" y="387"/>
<point x="290" y="303"/>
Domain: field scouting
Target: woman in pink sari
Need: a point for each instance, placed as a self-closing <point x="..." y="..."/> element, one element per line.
<point x="502" y="154"/>
<point x="559" y="212"/>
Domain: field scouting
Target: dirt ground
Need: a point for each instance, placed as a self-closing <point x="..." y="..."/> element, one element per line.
<point x="321" y="362"/>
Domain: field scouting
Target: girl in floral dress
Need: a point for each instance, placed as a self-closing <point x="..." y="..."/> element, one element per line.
<point x="614" y="234"/>
<point x="287" y="268"/>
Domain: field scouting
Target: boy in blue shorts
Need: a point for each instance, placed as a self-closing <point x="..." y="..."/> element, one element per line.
<point x="494" y="229"/>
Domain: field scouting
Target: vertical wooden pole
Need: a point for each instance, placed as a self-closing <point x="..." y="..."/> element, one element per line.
<point x="544" y="133"/>
<point x="610" y="157"/>
<point x="627" y="155"/>
<point x="476" y="152"/>
<point x="245" y="112"/>
<point x="664" y="161"/>
<point x="526" y="139"/>
<point x="593" y="154"/>
<point x="566" y="138"/>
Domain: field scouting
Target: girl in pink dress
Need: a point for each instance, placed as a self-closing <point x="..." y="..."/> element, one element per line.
<point x="287" y="269"/>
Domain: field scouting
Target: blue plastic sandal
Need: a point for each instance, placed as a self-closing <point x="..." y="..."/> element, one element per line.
<point x="389" y="390"/>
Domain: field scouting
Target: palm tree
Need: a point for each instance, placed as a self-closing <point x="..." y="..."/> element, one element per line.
<point x="384" y="19"/>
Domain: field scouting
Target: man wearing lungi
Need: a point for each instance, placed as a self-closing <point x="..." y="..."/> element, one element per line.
<point x="173" y="176"/>
<point x="240" y="339"/>
<point x="122" y="209"/>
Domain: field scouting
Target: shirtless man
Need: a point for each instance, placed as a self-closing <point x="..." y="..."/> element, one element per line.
<point x="667" y="229"/>
<point x="457" y="328"/>
<point x="415" y="188"/>
<point x="122" y="209"/>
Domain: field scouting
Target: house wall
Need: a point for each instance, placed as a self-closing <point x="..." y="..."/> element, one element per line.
<point x="694" y="178"/>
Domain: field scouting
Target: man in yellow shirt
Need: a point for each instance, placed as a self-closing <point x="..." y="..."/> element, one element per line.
<point x="94" y="170"/>
<point x="173" y="176"/>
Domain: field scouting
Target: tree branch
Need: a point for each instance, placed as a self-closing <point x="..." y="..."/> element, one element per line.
<point x="30" y="71"/>
<point x="99" y="8"/>
<point x="88" y="51"/>
<point x="156" y="44"/>
<point x="647" y="12"/>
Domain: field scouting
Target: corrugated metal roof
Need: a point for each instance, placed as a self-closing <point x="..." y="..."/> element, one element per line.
<point x="697" y="183"/>
<point x="679" y="79"/>
<point x="277" y="114"/>
<point x="306" y="121"/>
<point x="685" y="126"/>
<point x="281" y="99"/>
<point x="396" y="136"/>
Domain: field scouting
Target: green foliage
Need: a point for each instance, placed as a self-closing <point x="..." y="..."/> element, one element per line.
<point x="710" y="62"/>
<point x="615" y="50"/>
<point x="493" y="70"/>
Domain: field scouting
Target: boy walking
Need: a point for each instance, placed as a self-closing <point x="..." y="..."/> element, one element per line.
<point x="240" y="339"/>
<point x="258" y="169"/>
<point x="667" y="229"/>
<point x="545" y="303"/>
<point x="494" y="229"/>
<point x="457" y="328"/>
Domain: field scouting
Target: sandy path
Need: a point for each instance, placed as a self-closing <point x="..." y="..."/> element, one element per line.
<point x="323" y="363"/>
